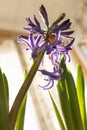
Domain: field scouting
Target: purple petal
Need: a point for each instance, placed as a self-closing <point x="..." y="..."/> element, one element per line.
<point x="54" y="26"/>
<point x="30" y="23"/>
<point x="50" y="74"/>
<point x="54" y="58"/>
<point x="48" y="80"/>
<point x="31" y="40"/>
<point x="24" y="40"/>
<point x="61" y="48"/>
<point x="44" y="15"/>
<point x="34" y="54"/>
<point x="70" y="44"/>
<point x="68" y="57"/>
<point x="65" y="25"/>
<point x="49" y="85"/>
<point x="67" y="33"/>
<point x="36" y="21"/>
<point x="61" y="17"/>
<point x="42" y="47"/>
<point x="38" y="39"/>
<point x="29" y="29"/>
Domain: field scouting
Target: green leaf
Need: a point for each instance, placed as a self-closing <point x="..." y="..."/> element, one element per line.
<point x="67" y="82"/>
<point x="65" y="103"/>
<point x="80" y="86"/>
<point x="21" y="112"/>
<point x="74" y="100"/>
<point x="58" y="115"/>
<point x="25" y="74"/>
<point x="21" y="115"/>
<point x="6" y="88"/>
<point x="4" y="117"/>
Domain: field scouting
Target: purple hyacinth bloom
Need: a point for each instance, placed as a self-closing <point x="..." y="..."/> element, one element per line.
<point x="34" y="44"/>
<point x="52" y="76"/>
<point x="55" y="40"/>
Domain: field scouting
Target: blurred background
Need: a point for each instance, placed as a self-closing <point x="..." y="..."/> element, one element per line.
<point x="14" y="59"/>
<point x="13" y="13"/>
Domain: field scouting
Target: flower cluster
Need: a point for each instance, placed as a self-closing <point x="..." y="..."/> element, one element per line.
<point x="55" y="40"/>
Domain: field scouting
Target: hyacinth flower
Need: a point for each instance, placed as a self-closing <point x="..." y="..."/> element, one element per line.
<point x="33" y="44"/>
<point x="41" y="40"/>
<point x="50" y="41"/>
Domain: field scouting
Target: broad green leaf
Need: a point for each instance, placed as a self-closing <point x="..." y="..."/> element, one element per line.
<point x="6" y="88"/>
<point x="67" y="82"/>
<point x="58" y="115"/>
<point x="80" y="86"/>
<point x="65" y="103"/>
<point x="21" y="112"/>
<point x="73" y="100"/>
<point x="4" y="117"/>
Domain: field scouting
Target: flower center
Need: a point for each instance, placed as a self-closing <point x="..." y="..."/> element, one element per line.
<point x="51" y="38"/>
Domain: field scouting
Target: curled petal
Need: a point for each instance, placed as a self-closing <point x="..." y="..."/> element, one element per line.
<point x="49" y="85"/>
<point x="46" y="84"/>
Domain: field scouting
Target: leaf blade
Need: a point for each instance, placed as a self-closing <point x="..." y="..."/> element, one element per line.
<point x="65" y="104"/>
<point x="73" y="100"/>
<point x="80" y="87"/>
<point x="6" y="88"/>
<point x="4" y="117"/>
<point x="59" y="118"/>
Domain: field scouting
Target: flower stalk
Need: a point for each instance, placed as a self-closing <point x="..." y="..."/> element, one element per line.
<point x="16" y="105"/>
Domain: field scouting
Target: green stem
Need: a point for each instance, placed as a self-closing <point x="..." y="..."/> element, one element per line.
<point x="16" y="105"/>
